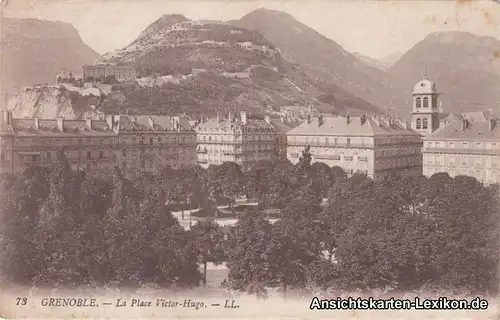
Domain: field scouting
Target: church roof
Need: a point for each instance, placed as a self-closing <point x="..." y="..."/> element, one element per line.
<point x="424" y="86"/>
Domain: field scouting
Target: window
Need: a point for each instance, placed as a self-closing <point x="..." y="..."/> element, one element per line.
<point x="89" y="155"/>
<point x="101" y="154"/>
<point x="465" y="145"/>
<point x="348" y="158"/>
<point x="124" y="152"/>
<point x="79" y="142"/>
<point x="2" y="158"/>
<point x="143" y="163"/>
<point x="424" y="124"/>
<point x="348" y="141"/>
<point x="124" y="165"/>
<point x="426" y="102"/>
<point x="418" y="102"/>
<point x="49" y="155"/>
<point x="335" y="141"/>
<point x="150" y="140"/>
<point x="159" y="140"/>
<point x="419" y="123"/>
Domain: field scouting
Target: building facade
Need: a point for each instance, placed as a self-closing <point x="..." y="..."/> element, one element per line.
<point x="121" y="73"/>
<point x="466" y="144"/>
<point x="135" y="144"/>
<point x="373" y="146"/>
<point x="244" y="140"/>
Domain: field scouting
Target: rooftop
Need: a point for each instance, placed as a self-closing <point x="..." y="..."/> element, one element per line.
<point x="50" y="127"/>
<point x="356" y="126"/>
<point x="469" y="126"/>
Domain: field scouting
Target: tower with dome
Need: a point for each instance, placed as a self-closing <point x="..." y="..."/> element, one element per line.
<point x="425" y="114"/>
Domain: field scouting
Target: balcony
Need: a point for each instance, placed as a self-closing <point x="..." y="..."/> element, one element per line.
<point x="462" y="151"/>
<point x="323" y="157"/>
<point x="217" y="142"/>
<point x="330" y="145"/>
<point x="235" y="152"/>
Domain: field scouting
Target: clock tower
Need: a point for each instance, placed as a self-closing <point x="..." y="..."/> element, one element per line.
<point x="425" y="114"/>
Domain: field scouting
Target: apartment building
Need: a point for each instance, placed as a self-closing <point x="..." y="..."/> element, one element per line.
<point x="244" y="140"/>
<point x="373" y="146"/>
<point x="134" y="143"/>
<point x="468" y="144"/>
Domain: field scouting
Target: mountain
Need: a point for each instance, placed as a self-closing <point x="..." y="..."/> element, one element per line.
<point x="209" y="66"/>
<point x="320" y="56"/>
<point x="390" y="60"/>
<point x="36" y="50"/>
<point x="369" y="61"/>
<point x="465" y="68"/>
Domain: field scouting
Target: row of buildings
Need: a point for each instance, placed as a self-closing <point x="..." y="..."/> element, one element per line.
<point x="465" y="144"/>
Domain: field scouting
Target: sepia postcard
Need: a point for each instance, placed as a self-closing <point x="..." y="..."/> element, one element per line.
<point x="253" y="159"/>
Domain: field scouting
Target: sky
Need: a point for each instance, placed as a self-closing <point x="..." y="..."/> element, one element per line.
<point x="373" y="28"/>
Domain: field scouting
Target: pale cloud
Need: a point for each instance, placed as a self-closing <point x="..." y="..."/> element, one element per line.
<point x="373" y="28"/>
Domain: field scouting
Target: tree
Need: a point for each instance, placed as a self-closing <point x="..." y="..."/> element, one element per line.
<point x="208" y="239"/>
<point x="58" y="235"/>
<point x="225" y="180"/>
<point x="143" y="243"/>
<point x="256" y="182"/>
<point x="465" y="217"/>
<point x="251" y="255"/>
<point x="19" y="216"/>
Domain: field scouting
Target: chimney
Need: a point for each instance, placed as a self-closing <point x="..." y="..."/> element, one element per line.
<point x="267" y="119"/>
<point x="492" y="124"/>
<point x="282" y="119"/>
<point x="89" y="123"/>
<point x="376" y="120"/>
<point x="230" y="117"/>
<point x="109" y="121"/>
<point x="37" y="123"/>
<point x="175" y="122"/>
<point x="320" y="120"/>
<point x="243" y="116"/>
<point x="308" y="118"/>
<point x="151" y="123"/>
<point x="218" y="118"/>
<point x="60" y="124"/>
<point x="363" y="119"/>
<point x="464" y="124"/>
<point x="7" y="116"/>
<point x="348" y="118"/>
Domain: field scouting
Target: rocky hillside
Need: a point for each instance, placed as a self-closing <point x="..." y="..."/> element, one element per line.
<point x="465" y="67"/>
<point x="207" y="66"/>
<point x="320" y="56"/>
<point x="35" y="51"/>
<point x="49" y="102"/>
